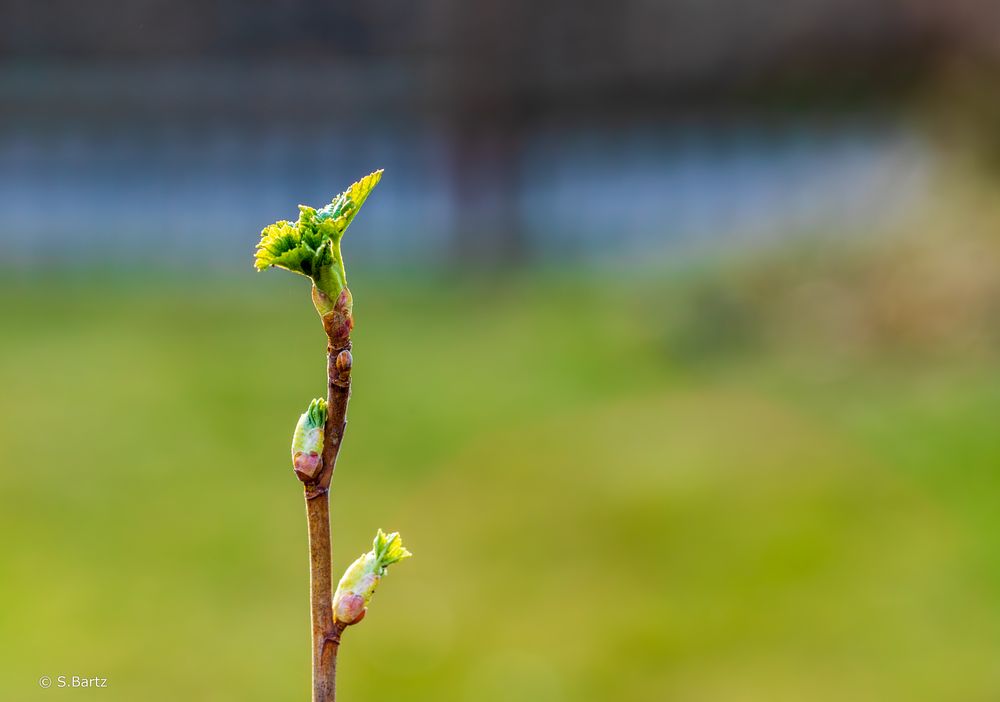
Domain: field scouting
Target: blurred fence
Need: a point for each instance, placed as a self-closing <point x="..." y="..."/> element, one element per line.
<point x="159" y="164"/>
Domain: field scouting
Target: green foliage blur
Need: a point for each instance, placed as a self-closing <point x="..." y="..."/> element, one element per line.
<point x="766" y="478"/>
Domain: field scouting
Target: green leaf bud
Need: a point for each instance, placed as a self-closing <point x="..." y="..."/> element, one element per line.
<point x="355" y="590"/>
<point x="307" y="441"/>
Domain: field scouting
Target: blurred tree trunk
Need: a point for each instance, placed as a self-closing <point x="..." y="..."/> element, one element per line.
<point x="487" y="109"/>
<point x="488" y="228"/>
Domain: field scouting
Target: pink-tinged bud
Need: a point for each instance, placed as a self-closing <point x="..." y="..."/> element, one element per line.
<point x="355" y="590"/>
<point x="350" y="609"/>
<point x="307" y="465"/>
<point x="307" y="442"/>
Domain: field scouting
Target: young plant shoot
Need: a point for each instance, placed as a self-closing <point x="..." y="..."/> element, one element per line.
<point x="356" y="588"/>
<point x="311" y="247"/>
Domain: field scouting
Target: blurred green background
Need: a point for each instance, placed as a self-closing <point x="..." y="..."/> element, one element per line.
<point x="677" y="364"/>
<point x="726" y="484"/>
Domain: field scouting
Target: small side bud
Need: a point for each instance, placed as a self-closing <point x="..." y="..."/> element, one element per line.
<point x="344" y="361"/>
<point x="343" y="364"/>
<point x="355" y="590"/>
<point x="307" y="442"/>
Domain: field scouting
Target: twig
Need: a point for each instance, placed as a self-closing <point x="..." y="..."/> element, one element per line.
<point x="311" y="247"/>
<point x="325" y="631"/>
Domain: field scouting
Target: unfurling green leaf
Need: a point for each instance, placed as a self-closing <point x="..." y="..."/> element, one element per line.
<point x="341" y="211"/>
<point x="311" y="245"/>
<point x="389" y="549"/>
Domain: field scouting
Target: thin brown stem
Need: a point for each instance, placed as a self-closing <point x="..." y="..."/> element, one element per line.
<point x="324" y="649"/>
<point x="325" y="631"/>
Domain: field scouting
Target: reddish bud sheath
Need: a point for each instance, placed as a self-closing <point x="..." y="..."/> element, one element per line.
<point x="307" y="465"/>
<point x="350" y="609"/>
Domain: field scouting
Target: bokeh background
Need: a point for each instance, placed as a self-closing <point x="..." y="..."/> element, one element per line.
<point x="678" y="330"/>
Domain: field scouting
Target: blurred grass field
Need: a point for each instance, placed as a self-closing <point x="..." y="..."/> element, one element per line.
<point x="611" y="494"/>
